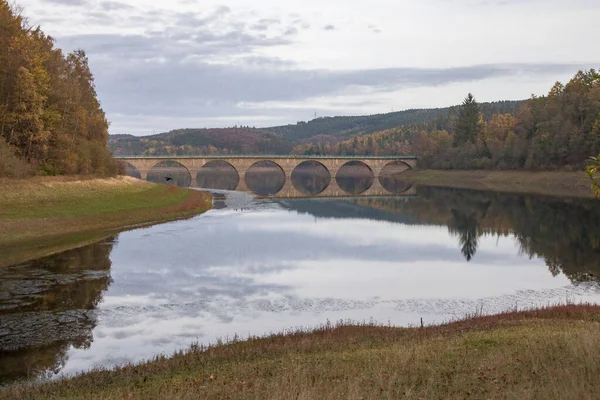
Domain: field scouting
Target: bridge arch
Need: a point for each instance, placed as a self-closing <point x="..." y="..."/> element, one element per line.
<point x="218" y="174"/>
<point x="391" y="179"/>
<point x="170" y="172"/>
<point x="129" y="169"/>
<point x="399" y="166"/>
<point x="310" y="177"/>
<point x="265" y="178"/>
<point x="355" y="177"/>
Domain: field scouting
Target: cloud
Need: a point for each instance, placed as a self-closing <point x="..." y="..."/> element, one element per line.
<point x="374" y="29"/>
<point x="114" y="6"/>
<point x="291" y="32"/>
<point x="197" y="89"/>
<point x="70" y="2"/>
<point x="173" y="36"/>
<point x="265" y="23"/>
<point x="172" y="45"/>
<point x="217" y="63"/>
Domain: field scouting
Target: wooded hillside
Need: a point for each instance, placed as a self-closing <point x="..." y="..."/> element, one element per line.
<point x="242" y="140"/>
<point x="282" y="139"/>
<point x="348" y="127"/>
<point x="557" y="131"/>
<point x="51" y="121"/>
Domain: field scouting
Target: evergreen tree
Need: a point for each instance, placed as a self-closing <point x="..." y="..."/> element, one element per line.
<point x="467" y="127"/>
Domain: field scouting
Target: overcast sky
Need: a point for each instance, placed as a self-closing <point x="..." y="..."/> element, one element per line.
<point x="162" y="65"/>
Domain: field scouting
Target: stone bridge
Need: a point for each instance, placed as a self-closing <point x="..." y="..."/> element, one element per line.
<point x="287" y="164"/>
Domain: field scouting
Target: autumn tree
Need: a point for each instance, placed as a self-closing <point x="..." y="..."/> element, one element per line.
<point x="50" y="116"/>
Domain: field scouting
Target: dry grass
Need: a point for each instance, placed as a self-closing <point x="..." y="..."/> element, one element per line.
<point x="39" y="216"/>
<point x="545" y="354"/>
<point x="553" y="183"/>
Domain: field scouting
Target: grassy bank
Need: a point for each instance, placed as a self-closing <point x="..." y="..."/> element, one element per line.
<point x="573" y="184"/>
<point x="545" y="354"/>
<point x="39" y="216"/>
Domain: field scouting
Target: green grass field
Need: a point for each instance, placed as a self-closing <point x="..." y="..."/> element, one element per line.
<point x="39" y="216"/>
<point x="550" y="353"/>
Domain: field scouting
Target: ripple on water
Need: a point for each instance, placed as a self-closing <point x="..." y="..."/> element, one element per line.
<point x="255" y="266"/>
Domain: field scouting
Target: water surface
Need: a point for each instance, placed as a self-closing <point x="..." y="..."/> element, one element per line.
<point x="255" y="266"/>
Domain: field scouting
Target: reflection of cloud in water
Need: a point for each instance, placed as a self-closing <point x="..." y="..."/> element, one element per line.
<point x="224" y="255"/>
<point x="273" y="265"/>
<point x="266" y="269"/>
<point x="144" y="331"/>
<point x="226" y="310"/>
<point x="246" y="249"/>
<point x="279" y="235"/>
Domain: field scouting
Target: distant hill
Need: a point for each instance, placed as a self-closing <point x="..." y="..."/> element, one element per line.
<point x="347" y="127"/>
<point x="282" y="139"/>
<point x="201" y="141"/>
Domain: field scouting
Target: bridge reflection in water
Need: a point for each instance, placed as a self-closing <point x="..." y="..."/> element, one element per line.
<point x="281" y="177"/>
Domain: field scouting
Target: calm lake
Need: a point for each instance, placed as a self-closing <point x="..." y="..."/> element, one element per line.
<point x="253" y="266"/>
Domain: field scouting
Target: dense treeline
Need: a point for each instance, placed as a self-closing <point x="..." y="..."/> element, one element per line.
<point x="313" y="135"/>
<point x="50" y="119"/>
<point x="236" y="140"/>
<point x="388" y="142"/>
<point x="560" y="130"/>
<point x="348" y="127"/>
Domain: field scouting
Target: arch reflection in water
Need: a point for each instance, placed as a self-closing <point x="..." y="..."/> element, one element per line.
<point x="310" y="178"/>
<point x="355" y="177"/>
<point x="129" y="170"/>
<point x="47" y="306"/>
<point x="218" y="174"/>
<point x="265" y="178"/>
<point x="170" y="172"/>
<point x="392" y="179"/>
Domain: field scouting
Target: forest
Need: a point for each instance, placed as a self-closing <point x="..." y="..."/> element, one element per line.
<point x="347" y="127"/>
<point x="557" y="131"/>
<point x="311" y="136"/>
<point x="236" y="140"/>
<point x="51" y="122"/>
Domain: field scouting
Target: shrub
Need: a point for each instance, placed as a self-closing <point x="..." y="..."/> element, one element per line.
<point x="12" y="166"/>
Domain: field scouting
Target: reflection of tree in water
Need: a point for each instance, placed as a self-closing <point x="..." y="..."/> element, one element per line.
<point x="47" y="306"/>
<point x="395" y="184"/>
<point x="170" y="172"/>
<point x="564" y="232"/>
<point x="465" y="226"/>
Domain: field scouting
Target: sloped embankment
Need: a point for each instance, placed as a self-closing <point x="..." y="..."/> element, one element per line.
<point x="39" y="216"/>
